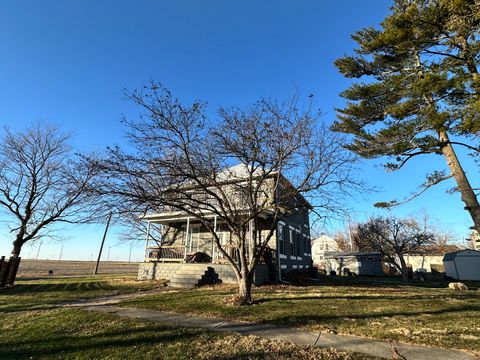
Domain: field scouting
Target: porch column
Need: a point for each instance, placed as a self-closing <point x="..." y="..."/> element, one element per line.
<point x="186" y="239"/>
<point x="146" y="240"/>
<point x="161" y="234"/>
<point x="251" y="244"/>
<point x="213" y="240"/>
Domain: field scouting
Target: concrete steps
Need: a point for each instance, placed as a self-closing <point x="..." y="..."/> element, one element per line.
<point x="191" y="275"/>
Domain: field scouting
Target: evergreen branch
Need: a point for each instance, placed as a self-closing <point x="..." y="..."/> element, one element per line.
<point x="476" y="149"/>
<point x="393" y="167"/>
<point x="435" y="178"/>
<point x="444" y="54"/>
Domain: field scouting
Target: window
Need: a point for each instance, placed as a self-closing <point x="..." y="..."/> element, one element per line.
<point x="223" y="236"/>
<point x="281" y="239"/>
<point x="306" y="248"/>
<point x="292" y="240"/>
<point x="193" y="239"/>
<point x="299" y="243"/>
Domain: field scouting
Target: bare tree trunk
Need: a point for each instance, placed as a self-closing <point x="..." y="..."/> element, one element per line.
<point x="17" y="247"/>
<point x="403" y="267"/>
<point x="466" y="191"/>
<point x="245" y="289"/>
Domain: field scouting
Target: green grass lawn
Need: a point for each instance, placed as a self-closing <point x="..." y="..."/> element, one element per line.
<point x="33" y="327"/>
<point x="413" y="313"/>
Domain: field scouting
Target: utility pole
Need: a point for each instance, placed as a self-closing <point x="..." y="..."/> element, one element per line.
<point x="130" y="253"/>
<point x="108" y="254"/>
<point x="101" y="245"/>
<point x="61" y="252"/>
<point x="38" y="251"/>
<point x="349" y="232"/>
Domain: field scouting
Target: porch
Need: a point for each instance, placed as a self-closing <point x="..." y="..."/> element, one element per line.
<point x="182" y="239"/>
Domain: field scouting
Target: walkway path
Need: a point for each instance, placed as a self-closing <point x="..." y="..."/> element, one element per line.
<point x="367" y="346"/>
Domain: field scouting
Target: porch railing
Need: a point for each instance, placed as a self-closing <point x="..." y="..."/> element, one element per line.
<point x="178" y="254"/>
<point x="230" y="249"/>
<point x="164" y="253"/>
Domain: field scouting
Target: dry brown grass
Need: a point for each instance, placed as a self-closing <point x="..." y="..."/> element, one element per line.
<point x="33" y="327"/>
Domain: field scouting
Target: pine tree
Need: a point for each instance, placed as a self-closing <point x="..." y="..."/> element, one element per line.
<point x="420" y="90"/>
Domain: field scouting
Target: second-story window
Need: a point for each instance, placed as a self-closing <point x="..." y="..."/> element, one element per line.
<point x="299" y="243"/>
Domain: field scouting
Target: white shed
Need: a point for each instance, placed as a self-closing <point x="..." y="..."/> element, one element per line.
<point x="462" y="265"/>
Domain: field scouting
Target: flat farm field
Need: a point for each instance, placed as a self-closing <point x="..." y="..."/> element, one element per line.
<point x="30" y="268"/>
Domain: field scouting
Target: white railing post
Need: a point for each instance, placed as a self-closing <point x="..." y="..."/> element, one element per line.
<point x="146" y="240"/>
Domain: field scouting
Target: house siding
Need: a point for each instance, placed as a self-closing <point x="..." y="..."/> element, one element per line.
<point x="297" y="254"/>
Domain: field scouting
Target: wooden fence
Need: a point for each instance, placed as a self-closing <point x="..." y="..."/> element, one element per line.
<point x="8" y="271"/>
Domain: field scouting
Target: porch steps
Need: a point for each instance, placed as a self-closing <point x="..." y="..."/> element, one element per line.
<point x="191" y="275"/>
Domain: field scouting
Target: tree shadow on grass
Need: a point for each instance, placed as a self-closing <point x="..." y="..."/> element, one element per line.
<point x="53" y="344"/>
<point x="299" y="319"/>
<point x="56" y="287"/>
<point x="370" y="281"/>
<point x="19" y="308"/>
<point x="463" y="296"/>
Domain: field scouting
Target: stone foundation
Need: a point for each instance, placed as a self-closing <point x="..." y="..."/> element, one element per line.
<point x="223" y="272"/>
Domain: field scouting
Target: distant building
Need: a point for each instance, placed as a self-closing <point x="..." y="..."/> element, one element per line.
<point x="323" y="243"/>
<point x="357" y="263"/>
<point x="326" y="256"/>
<point x="430" y="258"/>
<point x="475" y="239"/>
<point x="425" y="263"/>
<point x="463" y="265"/>
<point x="320" y="246"/>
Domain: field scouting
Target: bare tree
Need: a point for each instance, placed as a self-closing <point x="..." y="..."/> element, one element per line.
<point x="393" y="238"/>
<point x="183" y="162"/>
<point x="343" y="241"/>
<point x="134" y="229"/>
<point x="42" y="183"/>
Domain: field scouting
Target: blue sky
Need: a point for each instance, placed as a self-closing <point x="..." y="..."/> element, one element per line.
<point x="68" y="61"/>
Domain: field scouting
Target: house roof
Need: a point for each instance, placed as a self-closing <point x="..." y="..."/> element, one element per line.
<point x="241" y="171"/>
<point x="468" y="252"/>
<point x="437" y="249"/>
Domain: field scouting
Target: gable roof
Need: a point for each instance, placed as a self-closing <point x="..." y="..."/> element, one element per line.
<point x="467" y="252"/>
<point x="241" y="172"/>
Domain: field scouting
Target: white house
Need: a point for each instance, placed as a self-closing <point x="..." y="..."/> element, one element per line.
<point x="462" y="265"/>
<point x="424" y="263"/>
<point x="475" y="239"/>
<point x="322" y="244"/>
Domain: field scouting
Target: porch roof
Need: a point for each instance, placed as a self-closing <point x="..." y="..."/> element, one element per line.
<point x="180" y="216"/>
<point x="172" y="216"/>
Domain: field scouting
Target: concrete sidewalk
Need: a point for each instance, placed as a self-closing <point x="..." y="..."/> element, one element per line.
<point x="367" y="346"/>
